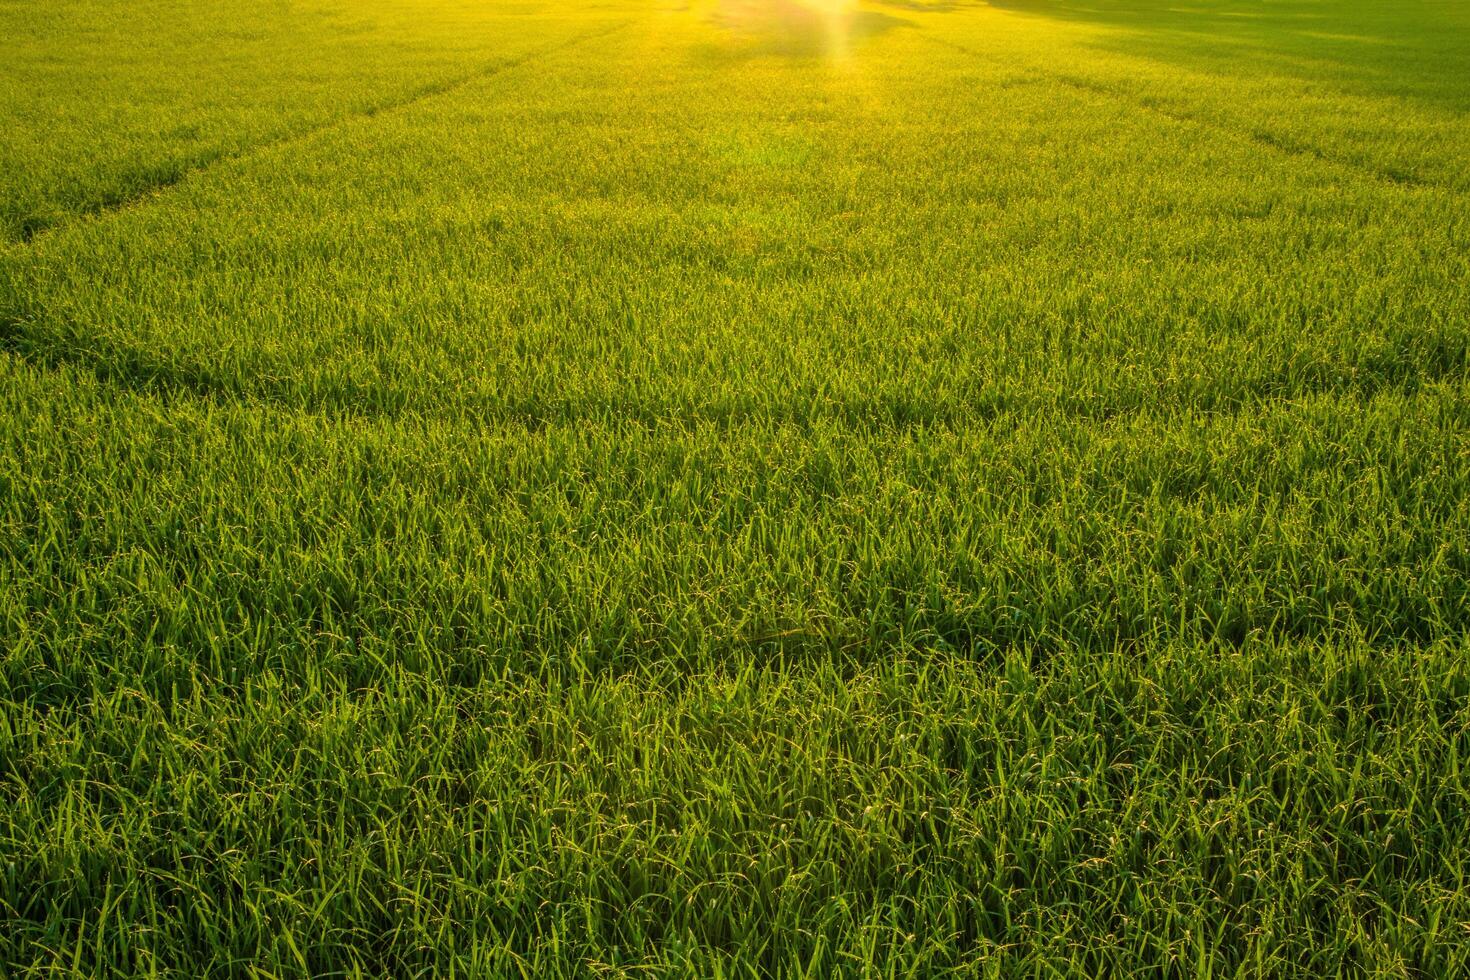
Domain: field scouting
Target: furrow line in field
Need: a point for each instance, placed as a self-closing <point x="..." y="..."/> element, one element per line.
<point x="401" y="101"/>
<point x="1271" y="141"/>
<point x="131" y="374"/>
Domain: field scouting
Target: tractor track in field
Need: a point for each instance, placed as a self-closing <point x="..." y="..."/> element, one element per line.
<point x="175" y="176"/>
<point x="1269" y="141"/>
<point x="134" y="373"/>
<point x="169" y="177"/>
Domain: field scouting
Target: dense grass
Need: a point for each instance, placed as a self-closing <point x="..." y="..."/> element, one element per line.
<point x="745" y="489"/>
<point x="104" y="103"/>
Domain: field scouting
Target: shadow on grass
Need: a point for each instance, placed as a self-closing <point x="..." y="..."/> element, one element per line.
<point x="1400" y="50"/>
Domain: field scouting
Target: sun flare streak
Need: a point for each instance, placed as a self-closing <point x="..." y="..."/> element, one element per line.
<point x="821" y="27"/>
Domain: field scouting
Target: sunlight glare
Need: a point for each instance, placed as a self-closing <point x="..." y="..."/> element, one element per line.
<point x="825" y="27"/>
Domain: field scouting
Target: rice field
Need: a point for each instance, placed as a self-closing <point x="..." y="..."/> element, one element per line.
<point x="740" y="488"/>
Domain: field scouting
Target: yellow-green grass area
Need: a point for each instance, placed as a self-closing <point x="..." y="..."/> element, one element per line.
<point x="736" y="489"/>
<point x="104" y="102"/>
